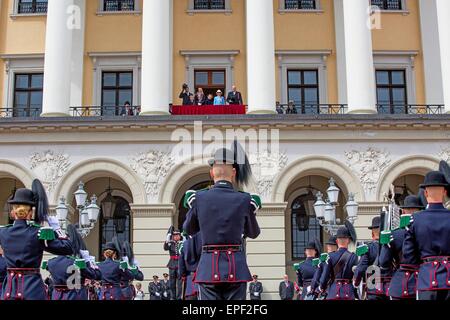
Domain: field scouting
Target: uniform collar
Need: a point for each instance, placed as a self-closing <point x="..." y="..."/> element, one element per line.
<point x="20" y="222"/>
<point x="223" y="184"/>
<point x="435" y="206"/>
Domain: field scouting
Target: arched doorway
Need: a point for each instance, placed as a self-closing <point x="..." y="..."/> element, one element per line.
<point x="406" y="185"/>
<point x="302" y="226"/>
<point x="8" y="187"/>
<point x="115" y="219"/>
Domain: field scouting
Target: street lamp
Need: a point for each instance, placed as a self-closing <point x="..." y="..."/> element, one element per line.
<point x="326" y="210"/>
<point x="88" y="211"/>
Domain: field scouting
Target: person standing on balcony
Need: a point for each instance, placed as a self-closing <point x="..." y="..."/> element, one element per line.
<point x="127" y="110"/>
<point x="291" y="109"/>
<point x="200" y="97"/>
<point x="234" y="97"/>
<point x="219" y="100"/>
<point x="210" y="100"/>
<point x="185" y="95"/>
<point x="279" y="108"/>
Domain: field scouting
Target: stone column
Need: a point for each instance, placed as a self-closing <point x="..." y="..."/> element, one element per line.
<point x="64" y="49"/>
<point x="156" y="57"/>
<point x="266" y="255"/>
<point x="260" y="56"/>
<point x="443" y="19"/>
<point x="150" y="225"/>
<point x="356" y="76"/>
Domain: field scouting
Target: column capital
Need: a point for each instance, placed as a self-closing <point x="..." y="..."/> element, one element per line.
<point x="153" y="210"/>
<point x="272" y="209"/>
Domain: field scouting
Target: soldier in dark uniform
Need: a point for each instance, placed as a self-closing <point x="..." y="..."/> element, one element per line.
<point x="331" y="246"/>
<point x="155" y="289"/>
<point x="25" y="241"/>
<point x="255" y="288"/>
<point x="69" y="273"/>
<point x="114" y="272"/>
<point x="190" y="253"/>
<point x="427" y="242"/>
<point x="165" y="287"/>
<point x="403" y="282"/>
<point x="2" y="270"/>
<point x="224" y="216"/>
<point x="128" y="289"/>
<point x="306" y="269"/>
<point x="337" y="274"/>
<point x="376" y="290"/>
<point x="172" y="244"/>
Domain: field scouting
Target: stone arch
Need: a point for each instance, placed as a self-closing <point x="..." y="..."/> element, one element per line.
<point x="409" y="165"/>
<point x="9" y="169"/>
<point x="94" y="168"/>
<point x="318" y="165"/>
<point x="181" y="173"/>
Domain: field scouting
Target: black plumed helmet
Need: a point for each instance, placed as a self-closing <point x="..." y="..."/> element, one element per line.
<point x="40" y="196"/>
<point x="118" y="247"/>
<point x="128" y="251"/>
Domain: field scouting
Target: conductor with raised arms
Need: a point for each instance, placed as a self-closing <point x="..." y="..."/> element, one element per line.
<point x="224" y="217"/>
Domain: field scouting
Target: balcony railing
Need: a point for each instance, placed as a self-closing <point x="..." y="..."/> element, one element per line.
<point x="313" y="109"/>
<point x="32" y="112"/>
<point x="32" y="7"/>
<point x="388" y="4"/>
<point x="410" y="109"/>
<point x="118" y="5"/>
<point x="209" y="4"/>
<point x="105" y="111"/>
<point x="300" y="4"/>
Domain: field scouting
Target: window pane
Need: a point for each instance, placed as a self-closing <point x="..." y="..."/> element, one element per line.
<point x="109" y="79"/>
<point x="21" y="99"/>
<point x="109" y="97"/>
<point x="398" y="96"/>
<point x="37" y="81"/>
<point x="22" y="81"/>
<point x="124" y="96"/>
<point x="126" y="79"/>
<point x="311" y="96"/>
<point x="295" y="95"/>
<point x="36" y="99"/>
<point x="382" y="77"/>
<point x="294" y="77"/>
<point x="201" y="78"/>
<point x="398" y="77"/>
<point x="310" y="77"/>
<point x="218" y="78"/>
<point x="383" y="96"/>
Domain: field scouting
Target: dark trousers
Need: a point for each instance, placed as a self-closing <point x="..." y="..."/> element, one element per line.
<point x="437" y="295"/>
<point x="175" y="284"/>
<point x="377" y="297"/>
<point x="223" y="291"/>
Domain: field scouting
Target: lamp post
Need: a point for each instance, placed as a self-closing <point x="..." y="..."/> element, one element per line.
<point x="88" y="211"/>
<point x="326" y="209"/>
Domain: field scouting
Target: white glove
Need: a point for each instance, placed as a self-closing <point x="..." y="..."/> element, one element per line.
<point x="165" y="294"/>
<point x="136" y="263"/>
<point x="85" y="255"/>
<point x="256" y="294"/>
<point x="169" y="236"/>
<point x="125" y="259"/>
<point x="53" y="222"/>
<point x="157" y="294"/>
<point x="308" y="289"/>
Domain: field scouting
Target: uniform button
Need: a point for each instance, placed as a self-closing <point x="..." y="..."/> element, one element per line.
<point x="229" y="252"/>
<point x="337" y="295"/>
<point x="405" y="292"/>
<point x="448" y="282"/>
<point x="433" y="283"/>
<point x="231" y="276"/>
<point x="19" y="294"/>
<point x="216" y="252"/>
<point x="445" y="261"/>
<point x="11" y="274"/>
<point x="216" y="276"/>
<point x="435" y="263"/>
<point x="20" y="275"/>
<point x="407" y="274"/>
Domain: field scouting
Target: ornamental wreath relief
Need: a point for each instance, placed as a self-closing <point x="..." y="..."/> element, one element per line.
<point x="50" y="167"/>
<point x="444" y="154"/>
<point x="152" y="167"/>
<point x="368" y="165"/>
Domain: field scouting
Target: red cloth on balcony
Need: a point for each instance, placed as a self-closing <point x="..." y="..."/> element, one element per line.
<point x="207" y="110"/>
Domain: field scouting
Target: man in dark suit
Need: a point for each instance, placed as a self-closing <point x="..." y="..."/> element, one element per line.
<point x="186" y="95"/>
<point x="234" y="97"/>
<point x="286" y="289"/>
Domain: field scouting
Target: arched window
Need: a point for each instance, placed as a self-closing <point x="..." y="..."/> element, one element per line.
<point x="182" y="211"/>
<point x="304" y="225"/>
<point x="119" y="225"/>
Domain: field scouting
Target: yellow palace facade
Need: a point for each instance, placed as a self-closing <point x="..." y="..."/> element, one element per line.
<point x="370" y="82"/>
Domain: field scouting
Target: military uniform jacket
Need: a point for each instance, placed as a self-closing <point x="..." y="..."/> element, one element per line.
<point x="339" y="285"/>
<point x="256" y="290"/>
<point x="305" y="275"/>
<point x="23" y="253"/>
<point x="222" y="216"/>
<point x="155" y="290"/>
<point x="112" y="276"/>
<point x="128" y="289"/>
<point x="369" y="259"/>
<point x="427" y="245"/>
<point x="188" y="262"/>
<point x="403" y="283"/>
<point x="172" y="247"/>
<point x="165" y="289"/>
<point x="60" y="271"/>
<point x="2" y="272"/>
